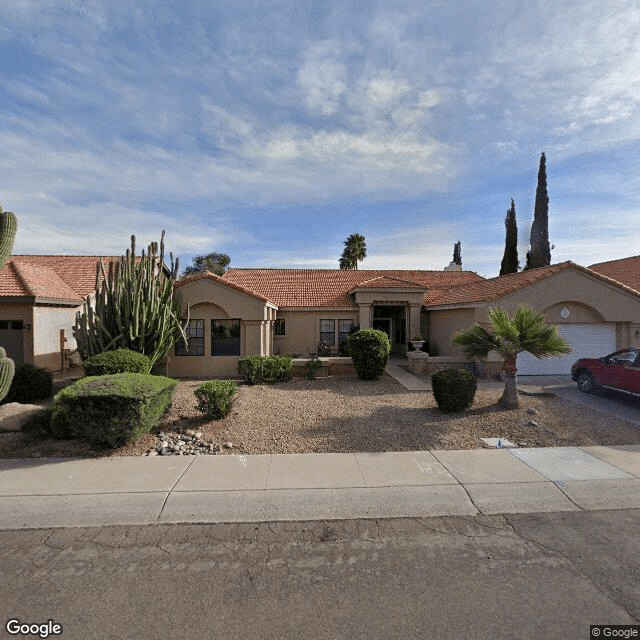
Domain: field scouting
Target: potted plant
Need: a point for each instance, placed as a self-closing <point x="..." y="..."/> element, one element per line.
<point x="417" y="342"/>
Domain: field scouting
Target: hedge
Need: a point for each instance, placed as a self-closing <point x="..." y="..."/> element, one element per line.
<point x="116" y="361"/>
<point x="369" y="349"/>
<point x="112" y="409"/>
<point x="265" y="369"/>
<point x="454" y="389"/>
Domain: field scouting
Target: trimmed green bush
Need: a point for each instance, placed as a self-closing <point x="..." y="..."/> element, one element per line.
<point x="454" y="389"/>
<point x="39" y="423"/>
<point x="369" y="349"/>
<point x="29" y="384"/>
<point x="265" y="369"/>
<point x="116" y="361"/>
<point x="215" y="397"/>
<point x="112" y="409"/>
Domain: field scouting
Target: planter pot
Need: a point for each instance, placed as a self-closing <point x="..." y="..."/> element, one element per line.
<point x="417" y="344"/>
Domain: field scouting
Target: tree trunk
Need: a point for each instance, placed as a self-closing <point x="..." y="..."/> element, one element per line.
<point x="510" y="399"/>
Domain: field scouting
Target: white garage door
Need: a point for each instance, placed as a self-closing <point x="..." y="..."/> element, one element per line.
<point x="587" y="340"/>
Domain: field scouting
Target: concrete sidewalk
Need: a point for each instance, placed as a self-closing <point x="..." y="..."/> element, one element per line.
<point x="59" y="492"/>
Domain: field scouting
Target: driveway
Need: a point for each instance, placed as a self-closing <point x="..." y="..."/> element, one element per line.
<point x="612" y="403"/>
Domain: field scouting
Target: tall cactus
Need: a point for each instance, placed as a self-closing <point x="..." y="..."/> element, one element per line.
<point x="7" y="369"/>
<point x="8" y="228"/>
<point x="134" y="307"/>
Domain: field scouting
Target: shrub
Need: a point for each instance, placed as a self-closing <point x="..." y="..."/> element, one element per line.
<point x="311" y="367"/>
<point x="265" y="369"/>
<point x="111" y="409"/>
<point x="369" y="350"/>
<point x="454" y="389"/>
<point x="215" y="397"/>
<point x="323" y="349"/>
<point x="29" y="384"/>
<point x="116" y="361"/>
<point x="39" y="423"/>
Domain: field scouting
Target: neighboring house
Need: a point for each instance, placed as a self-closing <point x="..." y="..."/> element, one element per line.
<point x="267" y="311"/>
<point x="626" y="271"/>
<point x="39" y="297"/>
<point x="264" y="311"/>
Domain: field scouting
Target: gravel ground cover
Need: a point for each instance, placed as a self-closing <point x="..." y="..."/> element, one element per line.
<point x="342" y="414"/>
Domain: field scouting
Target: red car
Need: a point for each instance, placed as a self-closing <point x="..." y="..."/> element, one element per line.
<point x="619" y="371"/>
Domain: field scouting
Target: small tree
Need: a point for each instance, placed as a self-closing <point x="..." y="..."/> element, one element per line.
<point x="355" y="250"/>
<point x="526" y="331"/>
<point x="510" y="262"/>
<point x="215" y="262"/>
<point x="134" y="307"/>
<point x="457" y="253"/>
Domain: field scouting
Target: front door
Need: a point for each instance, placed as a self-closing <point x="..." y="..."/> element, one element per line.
<point x="383" y="324"/>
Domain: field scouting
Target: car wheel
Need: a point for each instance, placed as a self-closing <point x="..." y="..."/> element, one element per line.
<point x="586" y="383"/>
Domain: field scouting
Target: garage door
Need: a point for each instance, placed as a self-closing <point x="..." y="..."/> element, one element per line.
<point x="587" y="341"/>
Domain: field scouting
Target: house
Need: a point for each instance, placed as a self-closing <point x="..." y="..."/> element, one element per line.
<point x="268" y="311"/>
<point x="39" y="298"/>
<point x="626" y="271"/>
<point x="265" y="311"/>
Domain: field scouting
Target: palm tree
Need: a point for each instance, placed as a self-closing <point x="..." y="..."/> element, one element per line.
<point x="355" y="250"/>
<point x="526" y="331"/>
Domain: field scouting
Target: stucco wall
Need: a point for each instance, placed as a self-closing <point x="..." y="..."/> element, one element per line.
<point x="22" y="312"/>
<point x="441" y="327"/>
<point x="256" y="328"/>
<point x="303" y="329"/>
<point x="47" y="322"/>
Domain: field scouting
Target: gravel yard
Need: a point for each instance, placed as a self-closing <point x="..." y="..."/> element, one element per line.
<point x="350" y="415"/>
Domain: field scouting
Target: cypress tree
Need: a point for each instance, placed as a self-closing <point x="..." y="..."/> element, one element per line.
<point x="510" y="262"/>
<point x="457" y="253"/>
<point x="540" y="248"/>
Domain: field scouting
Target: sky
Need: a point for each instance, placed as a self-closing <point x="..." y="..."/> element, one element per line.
<point x="271" y="131"/>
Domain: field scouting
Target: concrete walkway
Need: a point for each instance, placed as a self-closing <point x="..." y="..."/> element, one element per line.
<point x="52" y="492"/>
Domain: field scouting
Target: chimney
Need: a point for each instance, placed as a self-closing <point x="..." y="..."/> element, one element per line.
<point x="453" y="267"/>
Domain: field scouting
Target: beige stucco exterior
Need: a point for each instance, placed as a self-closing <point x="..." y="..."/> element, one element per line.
<point x="47" y="324"/>
<point x="586" y="298"/>
<point x="209" y="299"/>
<point x="23" y="312"/>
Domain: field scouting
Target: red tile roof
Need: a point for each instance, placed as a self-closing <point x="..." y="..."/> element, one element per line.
<point x="626" y="271"/>
<point x="329" y="288"/>
<point x="384" y="282"/>
<point x="212" y="276"/>
<point x="54" y="277"/>
<point x="495" y="288"/>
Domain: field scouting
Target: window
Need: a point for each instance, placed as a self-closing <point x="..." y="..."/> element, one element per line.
<point x="280" y="327"/>
<point x="195" y="336"/>
<point x="344" y="326"/>
<point x="225" y="337"/>
<point x="328" y="332"/>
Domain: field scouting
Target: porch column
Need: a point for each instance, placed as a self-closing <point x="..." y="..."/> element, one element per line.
<point x="414" y="320"/>
<point x="365" y="316"/>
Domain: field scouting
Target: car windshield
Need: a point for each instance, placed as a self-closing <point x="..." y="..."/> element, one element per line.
<point x="627" y="357"/>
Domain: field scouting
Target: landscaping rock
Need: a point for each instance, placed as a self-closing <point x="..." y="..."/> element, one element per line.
<point x="179" y="444"/>
<point x="532" y="411"/>
<point x="13" y="415"/>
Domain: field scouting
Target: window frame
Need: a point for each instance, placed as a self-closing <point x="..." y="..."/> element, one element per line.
<point x="213" y="337"/>
<point x="280" y="322"/>
<point x="352" y="324"/>
<point x="332" y="343"/>
<point x="182" y="351"/>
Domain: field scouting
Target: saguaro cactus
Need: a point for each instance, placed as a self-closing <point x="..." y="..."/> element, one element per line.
<point x="7" y="369"/>
<point x="8" y="228"/>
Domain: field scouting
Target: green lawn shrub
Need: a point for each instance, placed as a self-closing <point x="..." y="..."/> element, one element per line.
<point x="39" y="423"/>
<point x="116" y="361"/>
<point x="265" y="369"/>
<point x="369" y="349"/>
<point x="215" y="397"/>
<point x="29" y="384"/>
<point x="454" y="389"/>
<point x="112" y="409"/>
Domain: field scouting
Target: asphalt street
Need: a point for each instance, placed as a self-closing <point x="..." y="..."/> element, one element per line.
<point x="542" y="576"/>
